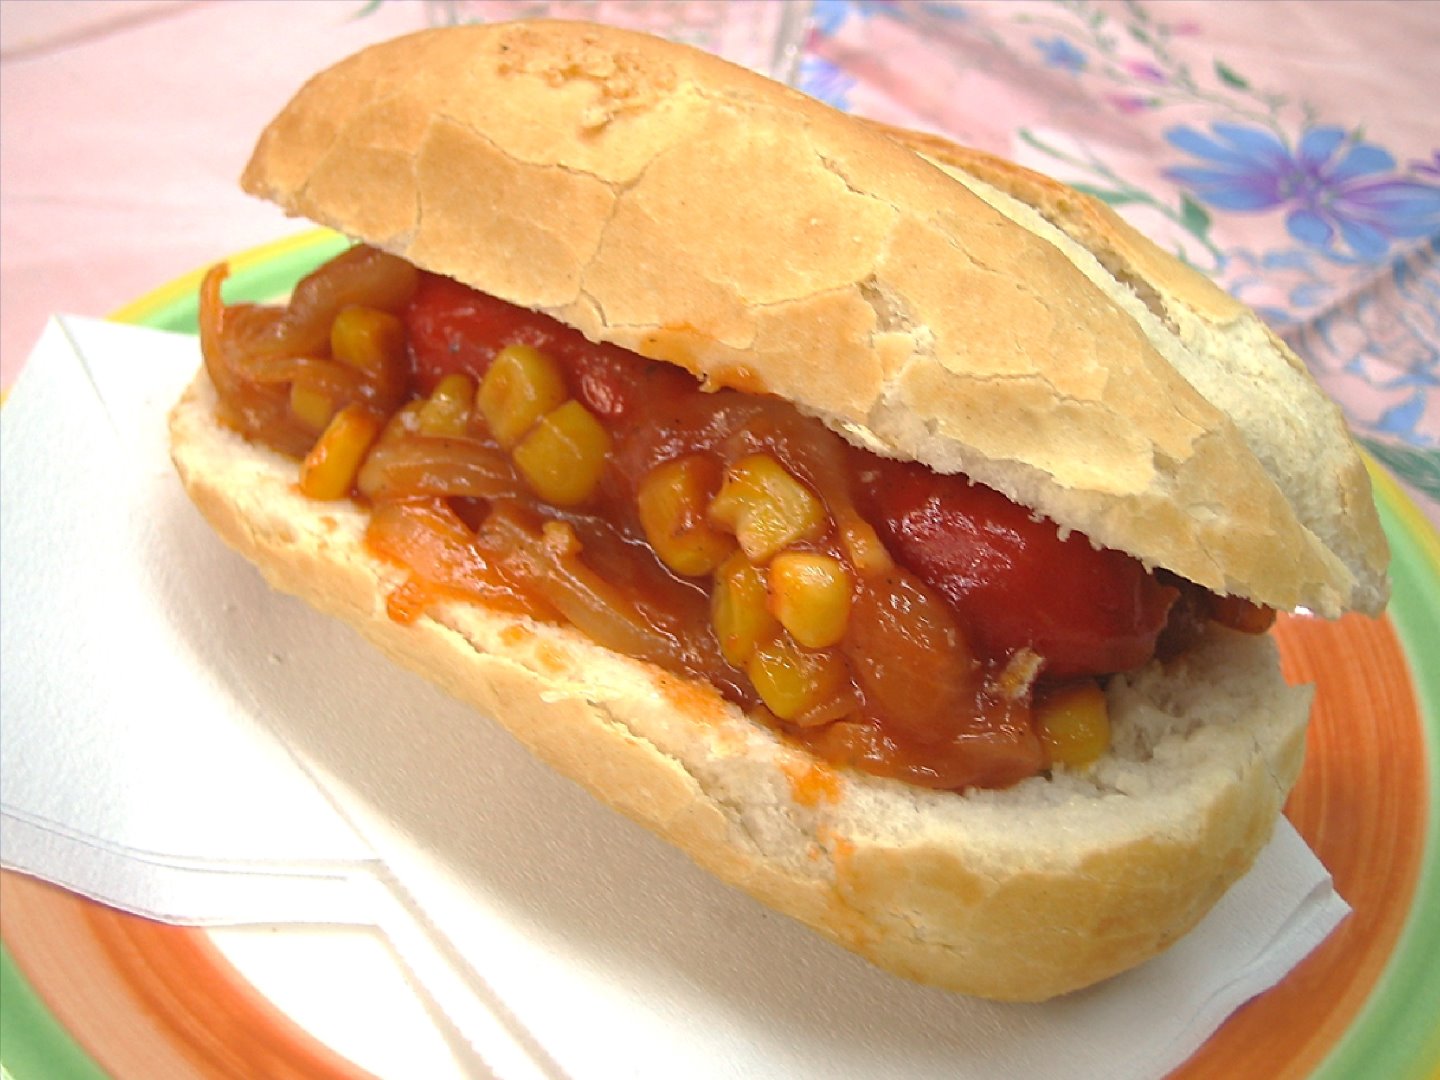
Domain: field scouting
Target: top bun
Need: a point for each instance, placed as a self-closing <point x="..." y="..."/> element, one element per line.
<point x="925" y="301"/>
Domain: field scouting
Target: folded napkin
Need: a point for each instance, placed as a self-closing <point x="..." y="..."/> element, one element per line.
<point x="183" y="742"/>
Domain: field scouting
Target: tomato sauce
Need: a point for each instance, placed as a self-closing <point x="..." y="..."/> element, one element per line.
<point x="962" y="603"/>
<point x="979" y="578"/>
<point x="1011" y="578"/>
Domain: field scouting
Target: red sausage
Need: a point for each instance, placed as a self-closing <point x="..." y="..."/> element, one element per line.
<point x="1011" y="578"/>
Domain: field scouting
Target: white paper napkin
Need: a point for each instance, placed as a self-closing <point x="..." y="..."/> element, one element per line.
<point x="132" y="768"/>
<point x="164" y="714"/>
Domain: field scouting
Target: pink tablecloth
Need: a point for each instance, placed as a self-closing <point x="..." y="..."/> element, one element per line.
<point x="1288" y="147"/>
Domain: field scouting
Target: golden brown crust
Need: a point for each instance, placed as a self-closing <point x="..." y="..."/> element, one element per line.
<point x="661" y="199"/>
<point x="1019" y="894"/>
<point x="1299" y="434"/>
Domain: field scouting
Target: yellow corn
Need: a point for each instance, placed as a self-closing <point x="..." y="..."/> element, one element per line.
<point x="328" y="471"/>
<point x="563" y="455"/>
<point x="672" y="501"/>
<point x="367" y="339"/>
<point x="520" y="386"/>
<point x="311" y="407"/>
<point x="810" y="595"/>
<point x="792" y="681"/>
<point x="1074" y="724"/>
<point x="447" y="412"/>
<point x="738" y="610"/>
<point x="765" y="507"/>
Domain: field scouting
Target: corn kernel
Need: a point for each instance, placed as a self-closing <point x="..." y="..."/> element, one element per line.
<point x="563" y="455"/>
<point x="328" y="471"/>
<point x="766" y="507"/>
<point x="520" y="386"/>
<point x="672" y="501"/>
<point x="311" y="407"/>
<point x="367" y="339"/>
<point x="447" y="412"/>
<point x="792" y="681"/>
<point x="738" y="610"/>
<point x="1074" y="724"/>
<point x="810" y="595"/>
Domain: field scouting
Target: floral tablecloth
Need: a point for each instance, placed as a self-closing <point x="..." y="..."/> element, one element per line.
<point x="1287" y="147"/>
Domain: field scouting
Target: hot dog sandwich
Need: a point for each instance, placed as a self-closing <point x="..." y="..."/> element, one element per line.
<point x="891" y="528"/>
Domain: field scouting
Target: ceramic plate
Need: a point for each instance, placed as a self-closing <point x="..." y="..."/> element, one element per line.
<point x="88" y="992"/>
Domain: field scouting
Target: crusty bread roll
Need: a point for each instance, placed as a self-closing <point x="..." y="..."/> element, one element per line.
<point x="608" y="159"/>
<point x="1020" y="894"/>
<point x="1235" y="360"/>
<point x="926" y="302"/>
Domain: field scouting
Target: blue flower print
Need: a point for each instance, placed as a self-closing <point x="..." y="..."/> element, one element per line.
<point x="1401" y="419"/>
<point x="1058" y="52"/>
<point x="825" y="80"/>
<point x="1336" y="189"/>
<point x="827" y="16"/>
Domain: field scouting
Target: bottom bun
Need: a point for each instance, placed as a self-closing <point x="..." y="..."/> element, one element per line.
<point x="1019" y="894"/>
